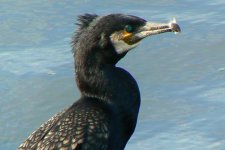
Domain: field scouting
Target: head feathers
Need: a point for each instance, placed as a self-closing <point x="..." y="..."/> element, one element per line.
<point x="85" y="20"/>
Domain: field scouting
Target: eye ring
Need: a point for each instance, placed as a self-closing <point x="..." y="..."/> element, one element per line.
<point x="128" y="28"/>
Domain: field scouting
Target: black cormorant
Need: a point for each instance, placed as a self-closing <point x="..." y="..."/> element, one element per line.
<point x="105" y="116"/>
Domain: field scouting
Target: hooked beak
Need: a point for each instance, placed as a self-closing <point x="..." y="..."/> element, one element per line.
<point x="156" y="28"/>
<point x="124" y="41"/>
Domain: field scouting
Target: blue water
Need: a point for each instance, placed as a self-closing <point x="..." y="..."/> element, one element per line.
<point x="181" y="77"/>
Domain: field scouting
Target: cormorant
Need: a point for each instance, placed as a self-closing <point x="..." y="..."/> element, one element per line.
<point x="105" y="116"/>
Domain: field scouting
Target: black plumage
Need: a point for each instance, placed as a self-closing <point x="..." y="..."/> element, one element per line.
<point x="105" y="116"/>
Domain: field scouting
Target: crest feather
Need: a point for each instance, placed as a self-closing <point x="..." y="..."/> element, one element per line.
<point x="85" y="20"/>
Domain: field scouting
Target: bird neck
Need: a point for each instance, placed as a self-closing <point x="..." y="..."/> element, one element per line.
<point x="109" y="84"/>
<point x="92" y="78"/>
<point x="96" y="71"/>
<point x="98" y="78"/>
<point x="106" y="82"/>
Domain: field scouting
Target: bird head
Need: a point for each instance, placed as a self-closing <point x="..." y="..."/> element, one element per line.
<point x="110" y="37"/>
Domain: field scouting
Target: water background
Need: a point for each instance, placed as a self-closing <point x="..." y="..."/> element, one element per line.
<point x="181" y="77"/>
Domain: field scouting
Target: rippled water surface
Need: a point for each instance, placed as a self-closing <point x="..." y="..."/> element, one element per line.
<point x="181" y="78"/>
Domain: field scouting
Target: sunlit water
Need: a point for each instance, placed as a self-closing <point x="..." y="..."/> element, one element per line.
<point x="181" y="78"/>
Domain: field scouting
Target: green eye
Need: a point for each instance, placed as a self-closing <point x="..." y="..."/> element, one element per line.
<point x="129" y="28"/>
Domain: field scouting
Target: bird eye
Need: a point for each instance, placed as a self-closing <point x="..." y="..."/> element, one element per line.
<point x="128" y="28"/>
